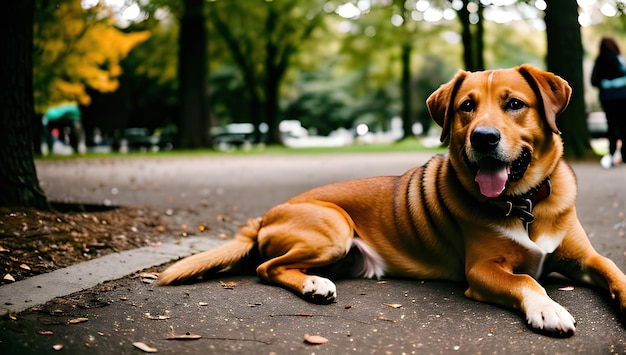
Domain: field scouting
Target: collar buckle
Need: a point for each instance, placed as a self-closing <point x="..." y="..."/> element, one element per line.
<point x="522" y="207"/>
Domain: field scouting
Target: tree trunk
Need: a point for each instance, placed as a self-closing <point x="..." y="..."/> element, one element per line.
<point x="272" y="80"/>
<point x="466" y="36"/>
<point x="565" y="58"/>
<point x="407" y="119"/>
<point x="19" y="185"/>
<point x="192" y="69"/>
<point x="472" y="37"/>
<point x="479" y="42"/>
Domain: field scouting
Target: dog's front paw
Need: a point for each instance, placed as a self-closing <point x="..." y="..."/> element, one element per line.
<point x="319" y="290"/>
<point x="549" y="317"/>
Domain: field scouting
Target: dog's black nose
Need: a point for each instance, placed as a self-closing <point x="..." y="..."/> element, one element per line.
<point x="485" y="138"/>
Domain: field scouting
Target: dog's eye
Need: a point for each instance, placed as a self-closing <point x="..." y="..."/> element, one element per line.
<point x="467" y="106"/>
<point x="514" y="104"/>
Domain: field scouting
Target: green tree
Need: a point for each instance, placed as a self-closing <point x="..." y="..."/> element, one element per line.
<point x="77" y="50"/>
<point x="19" y="185"/>
<point x="262" y="38"/>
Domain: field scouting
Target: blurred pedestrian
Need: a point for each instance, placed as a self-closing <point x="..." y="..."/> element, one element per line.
<point x="609" y="75"/>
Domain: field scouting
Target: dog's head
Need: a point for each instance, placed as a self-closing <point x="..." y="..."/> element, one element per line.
<point x="502" y="127"/>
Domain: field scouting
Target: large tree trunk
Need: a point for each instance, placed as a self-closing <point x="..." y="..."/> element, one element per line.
<point x="19" y="185"/>
<point x="466" y="36"/>
<point x="472" y="37"/>
<point x="565" y="58"/>
<point x="192" y="69"/>
<point x="407" y="117"/>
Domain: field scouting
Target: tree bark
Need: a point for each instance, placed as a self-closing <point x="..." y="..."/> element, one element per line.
<point x="565" y="58"/>
<point x="19" y="185"/>
<point x="407" y="117"/>
<point x="472" y="37"/>
<point x="466" y="37"/>
<point x="192" y="72"/>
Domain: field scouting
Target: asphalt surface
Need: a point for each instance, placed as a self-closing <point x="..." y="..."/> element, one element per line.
<point x="239" y="314"/>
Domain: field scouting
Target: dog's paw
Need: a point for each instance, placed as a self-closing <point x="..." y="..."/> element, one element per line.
<point x="319" y="290"/>
<point x="547" y="316"/>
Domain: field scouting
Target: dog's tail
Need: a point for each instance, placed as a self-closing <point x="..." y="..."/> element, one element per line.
<point x="215" y="259"/>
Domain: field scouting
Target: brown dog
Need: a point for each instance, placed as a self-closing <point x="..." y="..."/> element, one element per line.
<point x="497" y="212"/>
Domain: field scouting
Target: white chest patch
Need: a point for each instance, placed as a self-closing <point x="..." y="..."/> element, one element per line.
<point x="539" y="249"/>
<point x="549" y="243"/>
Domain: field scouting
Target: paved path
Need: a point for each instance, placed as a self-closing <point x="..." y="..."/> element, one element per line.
<point x="241" y="315"/>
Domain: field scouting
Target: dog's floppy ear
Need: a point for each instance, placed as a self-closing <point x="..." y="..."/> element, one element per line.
<point x="441" y="103"/>
<point x="552" y="91"/>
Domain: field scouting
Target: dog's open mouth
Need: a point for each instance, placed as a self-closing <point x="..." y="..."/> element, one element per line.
<point x="492" y="175"/>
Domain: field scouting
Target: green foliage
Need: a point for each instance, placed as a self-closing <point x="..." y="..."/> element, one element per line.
<point x="270" y="60"/>
<point x="76" y="50"/>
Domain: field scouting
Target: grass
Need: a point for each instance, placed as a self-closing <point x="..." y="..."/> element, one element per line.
<point x="407" y="145"/>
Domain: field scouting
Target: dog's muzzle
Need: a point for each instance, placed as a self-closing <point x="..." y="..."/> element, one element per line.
<point x="491" y="172"/>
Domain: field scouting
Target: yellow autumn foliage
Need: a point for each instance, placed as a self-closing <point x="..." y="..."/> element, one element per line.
<point x="77" y="49"/>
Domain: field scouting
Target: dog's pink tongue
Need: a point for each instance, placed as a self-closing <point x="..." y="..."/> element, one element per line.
<point x="491" y="178"/>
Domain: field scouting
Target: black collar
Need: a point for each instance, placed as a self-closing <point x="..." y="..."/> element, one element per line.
<point x="522" y="206"/>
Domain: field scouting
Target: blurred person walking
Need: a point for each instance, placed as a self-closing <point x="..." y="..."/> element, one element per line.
<point x="609" y="75"/>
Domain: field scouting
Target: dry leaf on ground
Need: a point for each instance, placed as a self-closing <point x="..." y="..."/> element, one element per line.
<point x="315" y="339"/>
<point x="186" y="336"/>
<point x="78" y="320"/>
<point x="145" y="347"/>
<point x="228" y="285"/>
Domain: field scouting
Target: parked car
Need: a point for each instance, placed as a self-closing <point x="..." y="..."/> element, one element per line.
<point x="141" y="139"/>
<point x="234" y="135"/>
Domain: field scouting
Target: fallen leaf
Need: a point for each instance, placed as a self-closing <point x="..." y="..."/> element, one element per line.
<point x="78" y="320"/>
<point x="566" y="288"/>
<point x="202" y="228"/>
<point x="45" y="332"/>
<point x="186" y="336"/>
<point x="315" y="339"/>
<point x="24" y="266"/>
<point x="57" y="347"/>
<point x="228" y="285"/>
<point x="381" y="282"/>
<point x="149" y="275"/>
<point x="8" y="277"/>
<point x="386" y="319"/>
<point x="157" y="317"/>
<point x="3" y="249"/>
<point x="143" y="346"/>
<point x="392" y="305"/>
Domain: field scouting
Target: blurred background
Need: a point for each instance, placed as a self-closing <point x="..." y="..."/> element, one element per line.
<point x="154" y="75"/>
